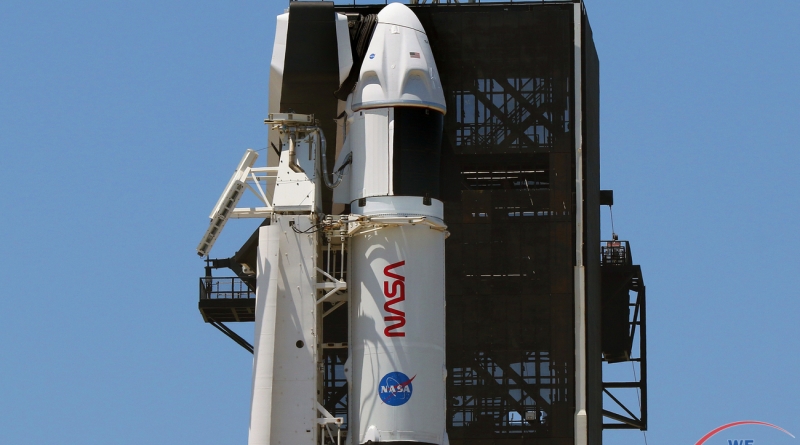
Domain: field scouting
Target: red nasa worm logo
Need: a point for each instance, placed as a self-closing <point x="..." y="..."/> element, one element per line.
<point x="395" y="293"/>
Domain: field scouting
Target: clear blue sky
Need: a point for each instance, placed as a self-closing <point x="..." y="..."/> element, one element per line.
<point x="121" y="122"/>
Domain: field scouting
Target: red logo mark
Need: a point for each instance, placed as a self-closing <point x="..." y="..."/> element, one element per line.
<point x="396" y="294"/>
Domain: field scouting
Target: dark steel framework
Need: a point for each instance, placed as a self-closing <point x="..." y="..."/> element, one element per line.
<point x="507" y="73"/>
<point x="624" y="313"/>
<point x="227" y="299"/>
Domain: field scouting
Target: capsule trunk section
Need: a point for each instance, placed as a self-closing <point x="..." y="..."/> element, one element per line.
<point x="395" y="152"/>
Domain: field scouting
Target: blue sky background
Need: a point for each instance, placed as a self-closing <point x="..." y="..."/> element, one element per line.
<point x="120" y="123"/>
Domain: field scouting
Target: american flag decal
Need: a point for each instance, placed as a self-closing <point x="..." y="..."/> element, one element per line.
<point x="414" y="55"/>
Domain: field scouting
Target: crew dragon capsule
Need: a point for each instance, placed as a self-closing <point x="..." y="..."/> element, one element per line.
<point x="397" y="296"/>
<point x="382" y="258"/>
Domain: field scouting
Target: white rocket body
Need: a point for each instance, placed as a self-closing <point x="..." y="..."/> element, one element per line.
<point x="395" y="283"/>
<point x="397" y="314"/>
<point x="397" y="318"/>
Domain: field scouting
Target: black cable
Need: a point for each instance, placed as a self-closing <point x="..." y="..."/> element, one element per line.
<point x="613" y="232"/>
<point x="345" y="164"/>
<point x="311" y="229"/>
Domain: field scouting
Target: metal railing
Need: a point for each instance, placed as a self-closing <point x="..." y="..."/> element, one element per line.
<point x="215" y="288"/>
<point x="615" y="253"/>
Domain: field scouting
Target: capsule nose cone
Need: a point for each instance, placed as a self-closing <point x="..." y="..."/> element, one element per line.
<point x="400" y="15"/>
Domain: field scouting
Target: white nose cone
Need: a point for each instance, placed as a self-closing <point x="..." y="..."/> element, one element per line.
<point x="399" y="14"/>
<point x="399" y="70"/>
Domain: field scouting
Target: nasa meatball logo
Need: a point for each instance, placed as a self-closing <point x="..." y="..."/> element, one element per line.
<point x="395" y="388"/>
